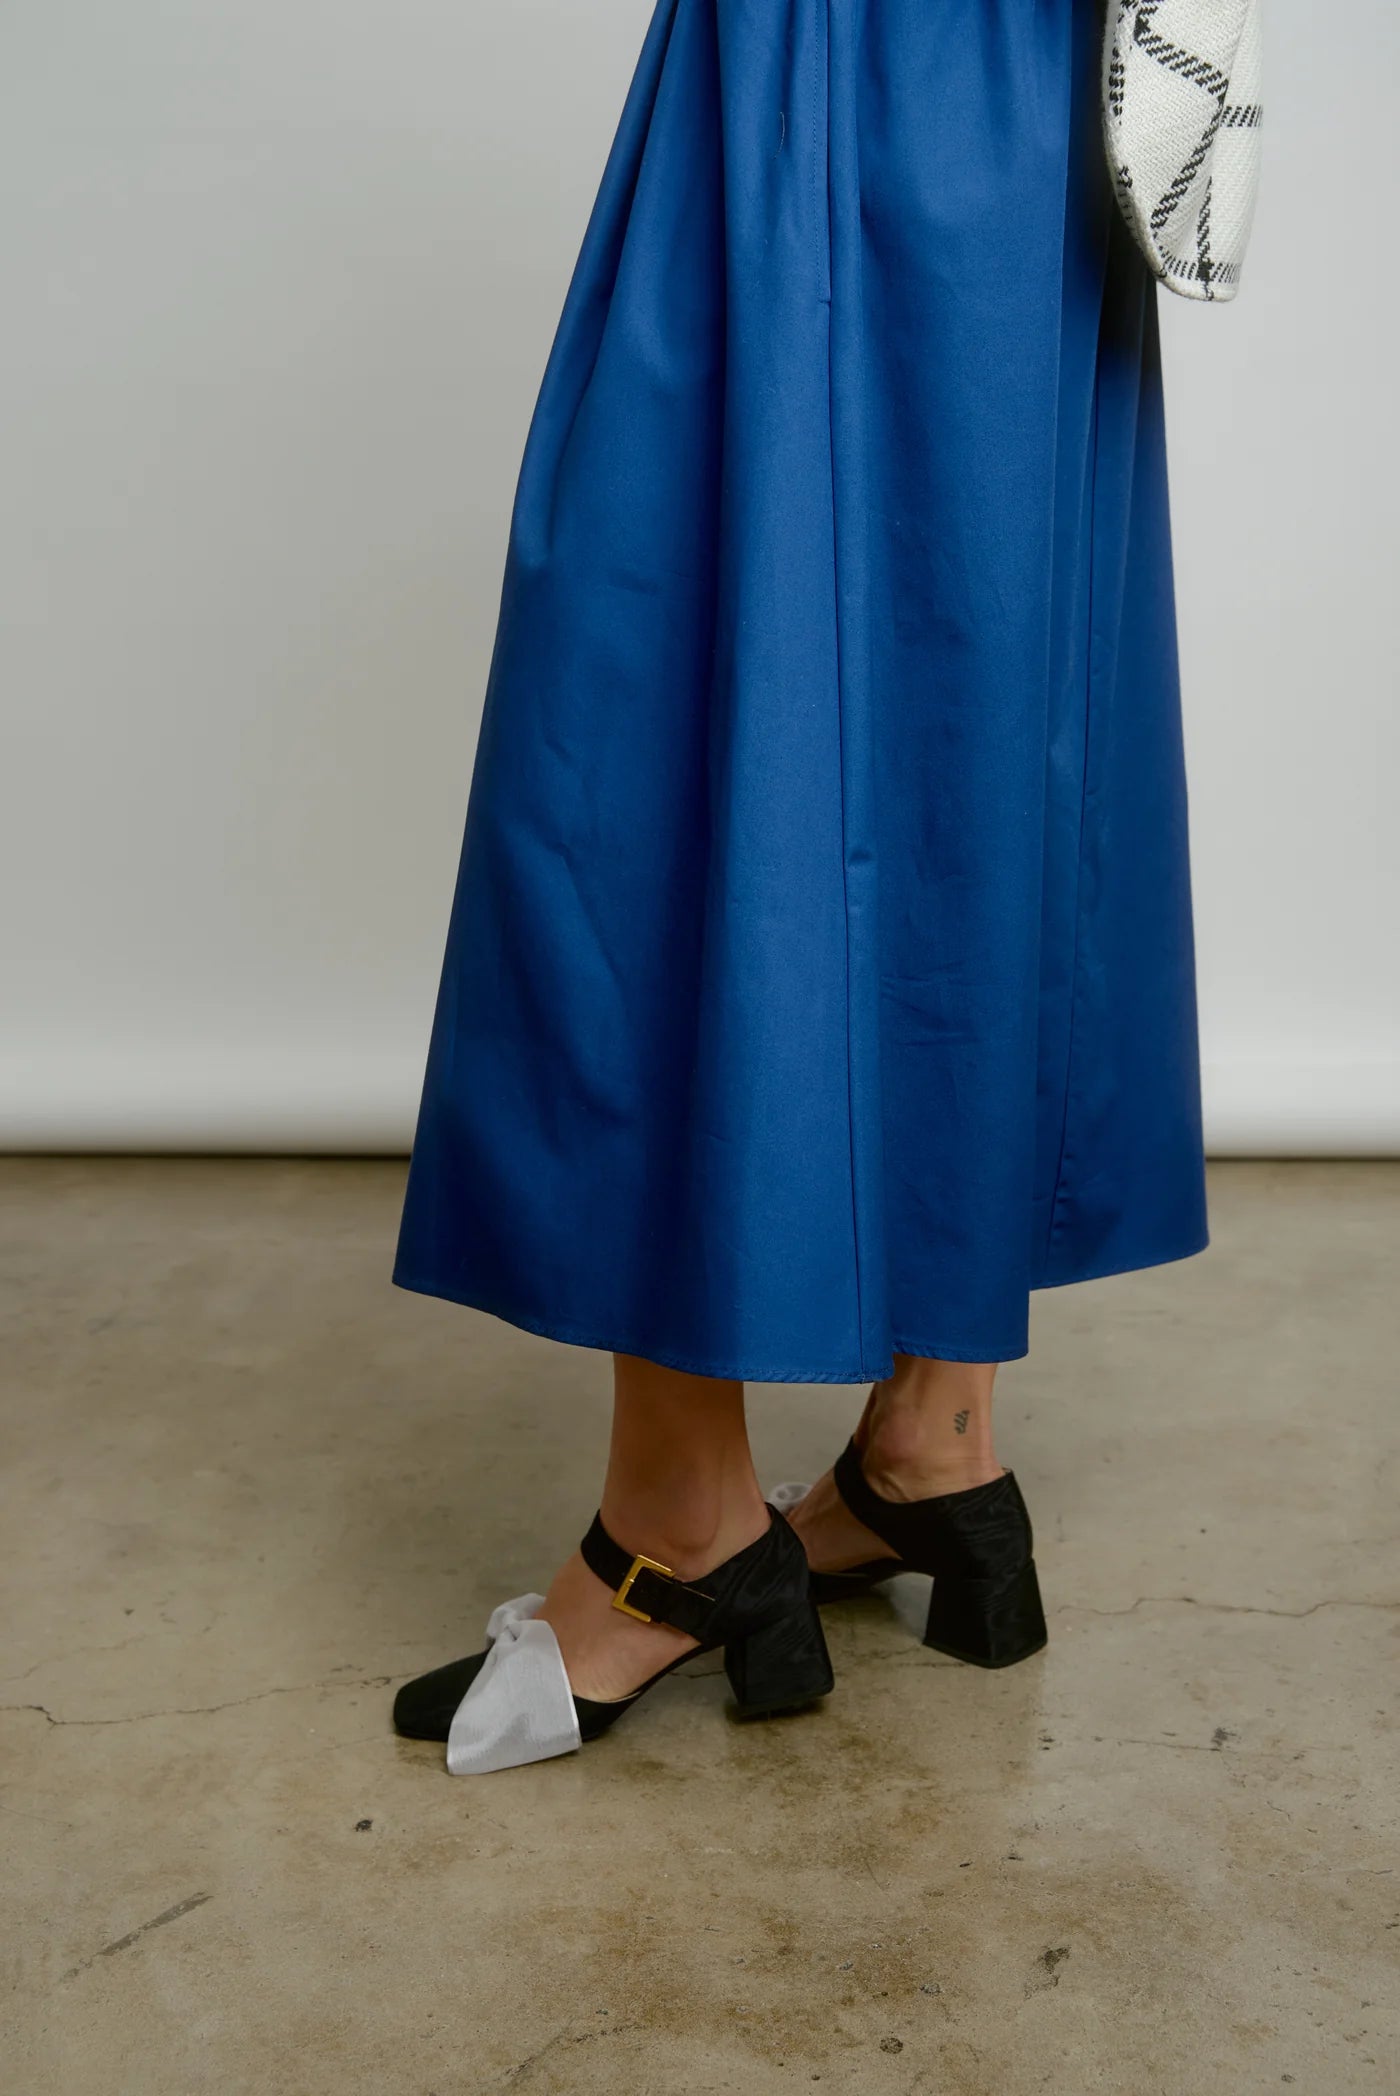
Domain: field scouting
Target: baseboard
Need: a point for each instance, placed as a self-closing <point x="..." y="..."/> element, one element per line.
<point x="1275" y="1108"/>
<point x="365" y="1106"/>
<point x="307" y="1103"/>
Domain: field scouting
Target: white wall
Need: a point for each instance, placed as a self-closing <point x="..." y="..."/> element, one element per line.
<point x="279" y="282"/>
<point x="1285" y="472"/>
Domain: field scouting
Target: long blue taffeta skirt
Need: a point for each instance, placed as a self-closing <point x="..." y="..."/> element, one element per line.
<point x="820" y="976"/>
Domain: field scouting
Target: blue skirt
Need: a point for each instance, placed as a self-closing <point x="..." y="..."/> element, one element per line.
<point x="820" y="978"/>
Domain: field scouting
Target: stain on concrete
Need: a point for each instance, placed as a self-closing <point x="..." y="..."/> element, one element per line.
<point x="1047" y="1972"/>
<point x="157" y="1921"/>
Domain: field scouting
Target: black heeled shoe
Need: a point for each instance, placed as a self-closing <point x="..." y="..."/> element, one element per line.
<point x="757" y="1606"/>
<point x="985" y="1607"/>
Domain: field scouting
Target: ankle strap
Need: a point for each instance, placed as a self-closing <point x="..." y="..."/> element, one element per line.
<point x="646" y="1589"/>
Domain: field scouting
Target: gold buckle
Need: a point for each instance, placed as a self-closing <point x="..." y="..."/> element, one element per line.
<point x="639" y="1564"/>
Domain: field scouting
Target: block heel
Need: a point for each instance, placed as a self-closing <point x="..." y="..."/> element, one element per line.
<point x="978" y="1546"/>
<point x="782" y="1665"/>
<point x="986" y="1622"/>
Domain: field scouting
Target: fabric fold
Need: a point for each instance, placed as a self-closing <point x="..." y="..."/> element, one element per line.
<point x="520" y="1707"/>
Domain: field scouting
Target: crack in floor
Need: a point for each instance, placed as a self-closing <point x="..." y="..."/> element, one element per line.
<point x="893" y="1655"/>
<point x="201" y="1710"/>
<point x="1221" y="1608"/>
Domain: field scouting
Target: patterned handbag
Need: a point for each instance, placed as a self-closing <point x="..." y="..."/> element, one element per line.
<point x="1181" y="87"/>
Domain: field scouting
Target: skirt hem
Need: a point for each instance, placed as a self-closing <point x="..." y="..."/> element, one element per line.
<point x="745" y="1371"/>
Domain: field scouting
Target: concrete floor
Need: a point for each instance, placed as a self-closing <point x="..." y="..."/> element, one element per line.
<point x="249" y="1486"/>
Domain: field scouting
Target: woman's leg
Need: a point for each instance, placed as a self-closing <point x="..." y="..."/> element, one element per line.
<point x="926" y="1431"/>
<point x="680" y="1488"/>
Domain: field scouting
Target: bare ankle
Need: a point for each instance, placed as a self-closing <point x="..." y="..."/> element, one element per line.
<point x="928" y="1429"/>
<point x="689" y="1537"/>
<point x="680" y="1485"/>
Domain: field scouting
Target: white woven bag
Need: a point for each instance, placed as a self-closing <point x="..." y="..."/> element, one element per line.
<point x="1181" y="89"/>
